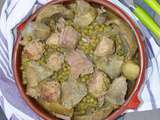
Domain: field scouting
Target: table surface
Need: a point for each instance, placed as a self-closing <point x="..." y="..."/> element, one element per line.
<point x="147" y="115"/>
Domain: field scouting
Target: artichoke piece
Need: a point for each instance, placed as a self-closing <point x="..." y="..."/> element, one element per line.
<point x="36" y="73"/>
<point x="55" y="107"/>
<point x="117" y="91"/>
<point x="128" y="41"/>
<point x="49" y="90"/>
<point x="55" y="61"/>
<point x="130" y="70"/>
<point x="85" y="14"/>
<point x="69" y="37"/>
<point x="50" y="10"/>
<point x="36" y="30"/>
<point x="111" y="66"/>
<point x="99" y="84"/>
<point x="34" y="50"/>
<point x="72" y="93"/>
<point x="105" y="47"/>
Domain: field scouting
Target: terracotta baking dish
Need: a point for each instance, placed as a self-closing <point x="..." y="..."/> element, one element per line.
<point x="132" y="101"/>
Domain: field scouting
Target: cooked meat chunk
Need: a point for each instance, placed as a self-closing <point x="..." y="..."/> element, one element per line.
<point x="34" y="50"/>
<point x="55" y="61"/>
<point x="69" y="37"/>
<point x="105" y="47"/>
<point x="50" y="90"/>
<point x="79" y="63"/>
<point x="99" y="84"/>
<point x="117" y="91"/>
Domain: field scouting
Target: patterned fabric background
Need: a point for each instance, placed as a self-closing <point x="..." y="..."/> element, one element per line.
<point x="14" y="12"/>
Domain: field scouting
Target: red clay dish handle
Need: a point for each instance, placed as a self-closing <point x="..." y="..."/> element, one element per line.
<point x="134" y="102"/>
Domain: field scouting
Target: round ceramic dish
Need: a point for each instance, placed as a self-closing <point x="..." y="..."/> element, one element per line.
<point x="132" y="101"/>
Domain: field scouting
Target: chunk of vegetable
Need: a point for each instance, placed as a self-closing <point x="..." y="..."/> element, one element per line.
<point x="99" y="84"/>
<point x="79" y="64"/>
<point x="85" y="13"/>
<point x="117" y="91"/>
<point x="130" y="70"/>
<point x="49" y="90"/>
<point x="72" y="93"/>
<point x="53" y="39"/>
<point x="33" y="91"/>
<point x="55" y="61"/>
<point x="36" y="73"/>
<point x="105" y="47"/>
<point x="50" y="10"/>
<point x="56" y="107"/>
<point x="69" y="37"/>
<point x="34" y="50"/>
<point x="111" y="66"/>
<point x="36" y="30"/>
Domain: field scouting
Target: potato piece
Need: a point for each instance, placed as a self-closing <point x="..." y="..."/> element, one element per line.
<point x="130" y="70"/>
<point x="34" y="50"/>
<point x="53" y="39"/>
<point x="55" y="61"/>
<point x="36" y="30"/>
<point x="99" y="84"/>
<point x="49" y="90"/>
<point x="117" y="91"/>
<point x="105" y="47"/>
<point x="85" y="14"/>
<point x="69" y="37"/>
